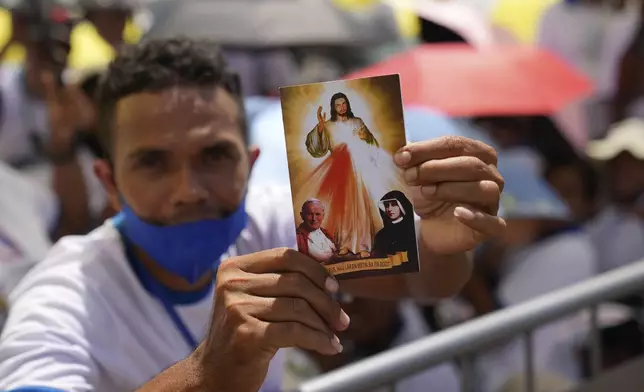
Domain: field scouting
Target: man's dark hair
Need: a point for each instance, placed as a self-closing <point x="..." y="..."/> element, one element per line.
<point x="334" y="113"/>
<point x="158" y="65"/>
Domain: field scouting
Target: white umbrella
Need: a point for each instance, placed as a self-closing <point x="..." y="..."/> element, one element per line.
<point x="266" y="23"/>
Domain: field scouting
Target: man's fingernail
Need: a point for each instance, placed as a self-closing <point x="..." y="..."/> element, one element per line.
<point x="402" y="158"/>
<point x="337" y="346"/>
<point x="463" y="213"/>
<point x="428" y="190"/>
<point x="332" y="285"/>
<point x="344" y="319"/>
<point x="411" y="174"/>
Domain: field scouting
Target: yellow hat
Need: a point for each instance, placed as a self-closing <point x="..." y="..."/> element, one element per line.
<point x="625" y="136"/>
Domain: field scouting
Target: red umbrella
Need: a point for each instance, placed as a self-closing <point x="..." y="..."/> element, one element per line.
<point x="460" y="80"/>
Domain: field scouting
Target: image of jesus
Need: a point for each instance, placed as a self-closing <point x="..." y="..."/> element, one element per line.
<point x="355" y="172"/>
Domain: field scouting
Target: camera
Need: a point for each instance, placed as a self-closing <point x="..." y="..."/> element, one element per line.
<point x="47" y="25"/>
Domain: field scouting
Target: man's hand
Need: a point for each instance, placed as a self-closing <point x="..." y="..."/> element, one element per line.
<point x="68" y="109"/>
<point x="456" y="189"/>
<point x="263" y="302"/>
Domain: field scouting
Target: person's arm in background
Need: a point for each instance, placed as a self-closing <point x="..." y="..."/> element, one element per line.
<point x="66" y="106"/>
<point x="478" y="293"/>
<point x="479" y="290"/>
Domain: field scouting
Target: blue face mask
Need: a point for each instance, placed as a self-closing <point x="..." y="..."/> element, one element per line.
<point x="188" y="250"/>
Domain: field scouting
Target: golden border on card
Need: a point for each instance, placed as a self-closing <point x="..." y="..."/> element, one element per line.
<point x="384" y="263"/>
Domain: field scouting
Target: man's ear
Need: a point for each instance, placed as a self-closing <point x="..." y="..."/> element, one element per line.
<point x="253" y="155"/>
<point x="104" y="171"/>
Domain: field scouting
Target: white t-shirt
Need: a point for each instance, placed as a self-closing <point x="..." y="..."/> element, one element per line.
<point x="28" y="213"/>
<point x="618" y="237"/>
<point x="539" y="269"/>
<point x="81" y="320"/>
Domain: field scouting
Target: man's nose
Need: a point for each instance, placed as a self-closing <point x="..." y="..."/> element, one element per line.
<point x="189" y="188"/>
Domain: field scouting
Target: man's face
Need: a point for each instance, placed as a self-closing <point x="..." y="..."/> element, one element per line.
<point x="341" y="106"/>
<point x="392" y="209"/>
<point x="178" y="155"/>
<point x="313" y="215"/>
<point x="626" y="174"/>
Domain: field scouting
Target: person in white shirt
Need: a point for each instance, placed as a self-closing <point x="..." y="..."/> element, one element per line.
<point x="130" y="306"/>
<point x="542" y="251"/>
<point x="28" y="216"/>
<point x="29" y="141"/>
<point x="618" y="230"/>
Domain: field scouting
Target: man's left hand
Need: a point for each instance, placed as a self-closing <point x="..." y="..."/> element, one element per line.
<point x="456" y="189"/>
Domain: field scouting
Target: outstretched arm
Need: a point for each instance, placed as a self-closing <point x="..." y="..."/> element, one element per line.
<point x="318" y="142"/>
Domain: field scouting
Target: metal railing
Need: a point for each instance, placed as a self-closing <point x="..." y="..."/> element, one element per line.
<point x="462" y="342"/>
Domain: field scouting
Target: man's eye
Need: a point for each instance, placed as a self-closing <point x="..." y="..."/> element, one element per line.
<point x="151" y="161"/>
<point x="214" y="155"/>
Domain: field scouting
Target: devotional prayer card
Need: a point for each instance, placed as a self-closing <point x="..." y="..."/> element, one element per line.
<point x="353" y="210"/>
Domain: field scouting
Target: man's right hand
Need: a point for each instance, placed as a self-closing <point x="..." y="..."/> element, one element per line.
<point x="263" y="302"/>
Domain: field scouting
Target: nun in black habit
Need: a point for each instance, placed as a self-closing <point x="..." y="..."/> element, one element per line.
<point x="398" y="233"/>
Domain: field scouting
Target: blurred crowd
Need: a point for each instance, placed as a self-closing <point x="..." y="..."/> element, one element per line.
<point x="574" y="174"/>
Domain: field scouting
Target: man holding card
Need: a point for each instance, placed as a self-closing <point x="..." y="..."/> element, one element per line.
<point x="111" y="310"/>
